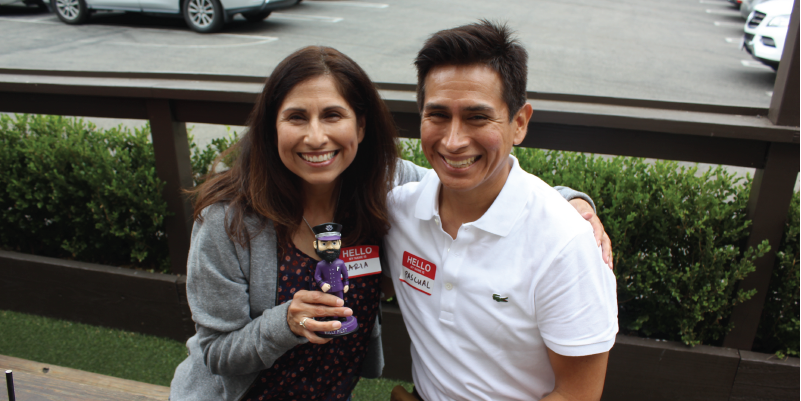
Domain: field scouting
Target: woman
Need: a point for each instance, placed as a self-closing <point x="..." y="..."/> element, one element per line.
<point x="251" y="258"/>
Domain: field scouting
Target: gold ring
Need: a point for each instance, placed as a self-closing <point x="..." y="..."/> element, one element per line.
<point x="303" y="322"/>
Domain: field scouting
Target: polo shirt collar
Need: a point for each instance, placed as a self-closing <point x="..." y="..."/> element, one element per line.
<point x="427" y="205"/>
<point x="502" y="215"/>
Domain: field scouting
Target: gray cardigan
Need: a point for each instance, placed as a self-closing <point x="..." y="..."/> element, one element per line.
<point x="231" y="292"/>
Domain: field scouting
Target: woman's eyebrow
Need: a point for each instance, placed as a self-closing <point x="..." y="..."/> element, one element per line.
<point x="334" y="107"/>
<point x="293" y="109"/>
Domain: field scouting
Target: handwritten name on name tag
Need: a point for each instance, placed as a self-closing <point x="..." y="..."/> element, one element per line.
<point x="361" y="260"/>
<point x="418" y="273"/>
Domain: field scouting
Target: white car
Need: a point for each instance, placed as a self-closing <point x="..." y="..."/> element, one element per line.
<point x="203" y="16"/>
<point x="747" y="6"/>
<point x="766" y="30"/>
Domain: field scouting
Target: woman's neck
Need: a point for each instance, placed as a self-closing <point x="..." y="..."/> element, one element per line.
<point x="319" y="207"/>
<point x="320" y="203"/>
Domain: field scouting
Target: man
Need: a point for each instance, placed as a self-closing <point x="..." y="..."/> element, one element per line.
<point x="503" y="290"/>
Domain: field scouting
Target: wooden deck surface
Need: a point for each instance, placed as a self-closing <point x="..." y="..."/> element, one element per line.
<point x="35" y="381"/>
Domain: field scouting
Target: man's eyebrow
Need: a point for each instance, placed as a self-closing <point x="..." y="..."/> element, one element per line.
<point x="472" y="108"/>
<point x="435" y="106"/>
<point x="480" y="107"/>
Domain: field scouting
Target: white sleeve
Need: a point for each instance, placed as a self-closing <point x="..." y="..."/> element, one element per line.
<point x="576" y="301"/>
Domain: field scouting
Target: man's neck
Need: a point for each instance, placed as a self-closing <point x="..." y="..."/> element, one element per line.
<point x="460" y="207"/>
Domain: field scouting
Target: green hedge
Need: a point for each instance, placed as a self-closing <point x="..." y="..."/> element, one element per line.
<point x="675" y="237"/>
<point x="77" y="192"/>
<point x="778" y="328"/>
<point x="70" y="190"/>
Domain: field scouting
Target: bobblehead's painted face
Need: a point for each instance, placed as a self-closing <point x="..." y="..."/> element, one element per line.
<point x="465" y="130"/>
<point x="328" y="250"/>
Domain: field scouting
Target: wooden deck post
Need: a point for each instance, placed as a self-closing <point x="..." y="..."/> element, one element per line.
<point x="171" y="146"/>
<point x="784" y="104"/>
<point x="771" y="193"/>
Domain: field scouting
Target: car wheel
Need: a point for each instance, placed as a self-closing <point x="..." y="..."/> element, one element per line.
<point x="204" y="16"/>
<point x="256" y="16"/>
<point x="71" y="11"/>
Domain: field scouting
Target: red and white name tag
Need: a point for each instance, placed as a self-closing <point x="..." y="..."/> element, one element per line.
<point x="418" y="273"/>
<point x="361" y="260"/>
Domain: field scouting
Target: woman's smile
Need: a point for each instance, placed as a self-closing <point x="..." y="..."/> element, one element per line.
<point x="318" y="158"/>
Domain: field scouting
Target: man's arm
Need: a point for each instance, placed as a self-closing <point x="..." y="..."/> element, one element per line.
<point x="578" y="377"/>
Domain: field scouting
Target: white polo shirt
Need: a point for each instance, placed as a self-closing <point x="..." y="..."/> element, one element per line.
<point x="482" y="309"/>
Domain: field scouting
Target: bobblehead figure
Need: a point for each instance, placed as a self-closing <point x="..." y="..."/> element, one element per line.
<point x="331" y="273"/>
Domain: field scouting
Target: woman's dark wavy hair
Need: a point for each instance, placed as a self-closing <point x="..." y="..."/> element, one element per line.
<point x="258" y="184"/>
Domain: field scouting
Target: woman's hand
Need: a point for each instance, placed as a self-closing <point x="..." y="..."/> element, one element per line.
<point x="601" y="238"/>
<point x="307" y="305"/>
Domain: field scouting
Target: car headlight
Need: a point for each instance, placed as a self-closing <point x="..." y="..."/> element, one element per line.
<point x="780" y="21"/>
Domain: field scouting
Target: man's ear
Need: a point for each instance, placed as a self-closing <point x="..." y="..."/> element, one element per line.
<point x="520" y="122"/>
<point x="314" y="244"/>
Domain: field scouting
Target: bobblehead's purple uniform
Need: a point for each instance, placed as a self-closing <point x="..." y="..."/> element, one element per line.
<point x="334" y="274"/>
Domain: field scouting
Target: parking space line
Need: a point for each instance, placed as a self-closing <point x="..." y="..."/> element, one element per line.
<point x="769" y="93"/>
<point x="32" y="21"/>
<point x="735" y="41"/>
<point x="349" y="3"/>
<point x="755" y="64"/>
<point x="729" y="23"/>
<point x="264" y="40"/>
<point x="304" y="17"/>
<point x="728" y="13"/>
<point x="236" y="35"/>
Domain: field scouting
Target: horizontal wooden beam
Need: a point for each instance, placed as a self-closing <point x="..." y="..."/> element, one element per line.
<point x="728" y="151"/>
<point x="94" y="294"/>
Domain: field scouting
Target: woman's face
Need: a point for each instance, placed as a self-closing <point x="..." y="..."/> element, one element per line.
<point x="318" y="131"/>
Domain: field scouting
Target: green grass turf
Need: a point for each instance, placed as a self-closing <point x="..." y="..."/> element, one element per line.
<point x="117" y="353"/>
<point x="110" y="352"/>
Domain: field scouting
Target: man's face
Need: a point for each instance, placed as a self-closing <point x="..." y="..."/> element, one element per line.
<point x="328" y="250"/>
<point x="465" y="130"/>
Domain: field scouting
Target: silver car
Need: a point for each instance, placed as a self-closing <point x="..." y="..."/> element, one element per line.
<point x="30" y="3"/>
<point x="204" y="16"/>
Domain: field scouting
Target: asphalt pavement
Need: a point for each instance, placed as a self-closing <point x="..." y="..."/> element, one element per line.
<point x="676" y="50"/>
<point x="673" y="50"/>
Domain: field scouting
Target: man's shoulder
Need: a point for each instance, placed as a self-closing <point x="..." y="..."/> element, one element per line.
<point x="547" y="209"/>
<point x="407" y="194"/>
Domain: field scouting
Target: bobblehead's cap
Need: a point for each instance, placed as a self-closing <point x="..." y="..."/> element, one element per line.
<point x="328" y="231"/>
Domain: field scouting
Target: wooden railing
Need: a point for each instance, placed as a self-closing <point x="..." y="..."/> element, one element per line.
<point x="764" y="139"/>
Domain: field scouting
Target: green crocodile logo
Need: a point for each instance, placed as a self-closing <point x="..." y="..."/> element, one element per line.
<point x="499" y="298"/>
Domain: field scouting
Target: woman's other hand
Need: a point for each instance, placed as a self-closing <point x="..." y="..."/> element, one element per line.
<point x="601" y="238"/>
<point x="306" y="305"/>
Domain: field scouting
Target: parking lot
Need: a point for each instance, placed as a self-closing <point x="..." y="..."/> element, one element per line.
<point x="682" y="50"/>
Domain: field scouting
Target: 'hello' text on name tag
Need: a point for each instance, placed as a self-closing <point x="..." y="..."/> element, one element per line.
<point x="362" y="260"/>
